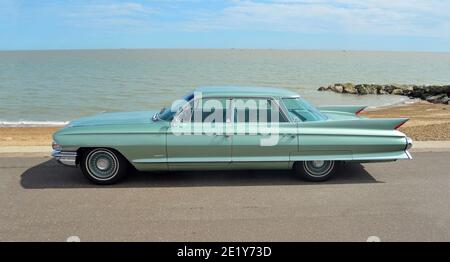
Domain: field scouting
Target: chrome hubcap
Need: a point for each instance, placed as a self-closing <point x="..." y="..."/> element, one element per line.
<point x="103" y="164"/>
<point x="318" y="163"/>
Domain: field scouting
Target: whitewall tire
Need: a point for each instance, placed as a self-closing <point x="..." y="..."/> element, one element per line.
<point x="316" y="171"/>
<point x="103" y="166"/>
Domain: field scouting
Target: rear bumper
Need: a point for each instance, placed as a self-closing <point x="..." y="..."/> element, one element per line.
<point x="408" y="154"/>
<point x="65" y="157"/>
<point x="409" y="143"/>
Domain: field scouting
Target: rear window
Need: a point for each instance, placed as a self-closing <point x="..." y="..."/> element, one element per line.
<point x="300" y="110"/>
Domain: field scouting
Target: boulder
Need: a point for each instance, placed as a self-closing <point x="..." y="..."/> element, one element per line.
<point x="366" y="89"/>
<point x="361" y="89"/>
<point x="418" y="91"/>
<point x="337" y="88"/>
<point x="372" y="89"/>
<point x="407" y="90"/>
<point x="446" y="100"/>
<point x="382" y="91"/>
<point x="437" y="99"/>
<point x="397" y="91"/>
<point x="349" y="88"/>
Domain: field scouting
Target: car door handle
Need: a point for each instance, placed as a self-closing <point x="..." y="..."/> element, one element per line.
<point x="224" y="135"/>
<point x="290" y="135"/>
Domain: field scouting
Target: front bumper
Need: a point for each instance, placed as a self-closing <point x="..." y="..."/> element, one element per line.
<point x="65" y="157"/>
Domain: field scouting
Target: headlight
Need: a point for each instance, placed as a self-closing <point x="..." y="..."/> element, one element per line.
<point x="56" y="146"/>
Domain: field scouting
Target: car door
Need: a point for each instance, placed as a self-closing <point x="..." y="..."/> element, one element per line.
<point x="262" y="141"/>
<point x="197" y="137"/>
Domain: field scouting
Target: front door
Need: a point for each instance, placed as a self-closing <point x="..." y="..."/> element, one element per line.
<point x="197" y="137"/>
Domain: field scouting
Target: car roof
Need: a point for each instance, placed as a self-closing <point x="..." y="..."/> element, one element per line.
<point x="244" y="91"/>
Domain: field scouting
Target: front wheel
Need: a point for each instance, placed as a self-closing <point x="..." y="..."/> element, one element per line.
<point x="316" y="171"/>
<point x="103" y="166"/>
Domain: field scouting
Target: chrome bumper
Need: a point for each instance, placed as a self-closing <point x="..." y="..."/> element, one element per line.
<point x="409" y="143"/>
<point x="65" y="158"/>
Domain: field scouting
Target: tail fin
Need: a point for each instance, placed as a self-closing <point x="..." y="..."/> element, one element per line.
<point x="343" y="109"/>
<point x="383" y="123"/>
<point x="364" y="123"/>
<point x="399" y="122"/>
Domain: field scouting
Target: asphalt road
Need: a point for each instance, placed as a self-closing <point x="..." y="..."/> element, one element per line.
<point x="405" y="200"/>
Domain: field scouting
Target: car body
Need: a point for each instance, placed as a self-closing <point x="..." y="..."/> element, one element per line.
<point x="305" y="138"/>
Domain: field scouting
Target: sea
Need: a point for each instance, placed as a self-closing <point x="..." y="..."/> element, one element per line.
<point x="53" y="87"/>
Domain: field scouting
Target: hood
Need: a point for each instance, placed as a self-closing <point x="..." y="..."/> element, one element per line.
<point x="118" y="118"/>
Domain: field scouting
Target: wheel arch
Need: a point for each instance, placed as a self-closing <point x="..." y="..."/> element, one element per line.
<point x="82" y="151"/>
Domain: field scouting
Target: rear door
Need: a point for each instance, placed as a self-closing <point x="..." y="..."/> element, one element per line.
<point x="264" y="137"/>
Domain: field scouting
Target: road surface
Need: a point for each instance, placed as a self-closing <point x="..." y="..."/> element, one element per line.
<point x="405" y="200"/>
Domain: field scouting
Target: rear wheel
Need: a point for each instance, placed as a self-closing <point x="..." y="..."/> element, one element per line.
<point x="103" y="166"/>
<point x="316" y="171"/>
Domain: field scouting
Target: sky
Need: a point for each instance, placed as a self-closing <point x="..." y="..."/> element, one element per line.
<point x="400" y="25"/>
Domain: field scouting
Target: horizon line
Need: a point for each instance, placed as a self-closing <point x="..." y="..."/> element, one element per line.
<point x="221" y="48"/>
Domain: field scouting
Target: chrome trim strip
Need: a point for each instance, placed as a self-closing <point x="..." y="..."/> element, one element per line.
<point x="65" y="157"/>
<point x="408" y="154"/>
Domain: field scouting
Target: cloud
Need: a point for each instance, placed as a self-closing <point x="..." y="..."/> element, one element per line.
<point x="112" y="10"/>
<point x="429" y="18"/>
<point x="109" y="15"/>
<point x="416" y="18"/>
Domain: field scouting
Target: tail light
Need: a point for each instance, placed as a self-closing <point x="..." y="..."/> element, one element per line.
<point x="399" y="125"/>
<point x="359" y="111"/>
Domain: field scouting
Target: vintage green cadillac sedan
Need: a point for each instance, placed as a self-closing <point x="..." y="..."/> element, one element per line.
<point x="214" y="128"/>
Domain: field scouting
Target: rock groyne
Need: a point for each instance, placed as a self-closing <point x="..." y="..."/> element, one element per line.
<point x="438" y="94"/>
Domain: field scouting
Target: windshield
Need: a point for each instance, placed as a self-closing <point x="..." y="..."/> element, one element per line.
<point x="300" y="110"/>
<point x="167" y="113"/>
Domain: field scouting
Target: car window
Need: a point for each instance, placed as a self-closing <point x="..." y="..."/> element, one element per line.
<point x="185" y="112"/>
<point x="211" y="110"/>
<point x="300" y="110"/>
<point x="257" y="110"/>
<point x="167" y="113"/>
